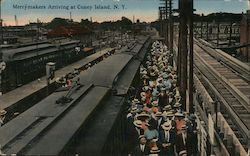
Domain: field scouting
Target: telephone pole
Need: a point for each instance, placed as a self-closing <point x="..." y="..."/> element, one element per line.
<point x="171" y="27"/>
<point x="191" y="56"/>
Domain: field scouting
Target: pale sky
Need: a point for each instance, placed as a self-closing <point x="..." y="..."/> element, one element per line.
<point x="145" y="10"/>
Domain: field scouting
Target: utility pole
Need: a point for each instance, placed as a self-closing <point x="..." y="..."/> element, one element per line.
<point x="230" y="32"/>
<point x="183" y="51"/>
<point x="202" y="16"/>
<point x="218" y="32"/>
<point x="167" y="30"/>
<point x="1" y="24"/>
<point x="191" y="56"/>
<point x="207" y="30"/>
<point x="161" y="20"/>
<point x="16" y="21"/>
<point x="171" y="27"/>
<point x="1" y="54"/>
<point x="179" y="56"/>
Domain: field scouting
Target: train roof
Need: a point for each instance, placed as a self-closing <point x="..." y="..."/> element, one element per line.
<point x="34" y="50"/>
<point x="105" y="72"/>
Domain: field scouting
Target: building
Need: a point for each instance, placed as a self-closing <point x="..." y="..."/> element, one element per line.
<point x="245" y="35"/>
<point x="74" y="31"/>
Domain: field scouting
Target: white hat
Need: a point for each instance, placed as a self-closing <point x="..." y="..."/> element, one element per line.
<point x="137" y="123"/>
<point x="179" y="114"/>
<point x="145" y="88"/>
<point x="154" y="150"/>
<point x="135" y="101"/>
<point x="155" y="103"/>
<point x="177" y="104"/>
<point x="169" y="114"/>
<point x="166" y="125"/>
<point x="158" y="114"/>
<point x="143" y="114"/>
<point x="167" y="108"/>
<point x="3" y="112"/>
<point x="143" y="99"/>
<point x="143" y="94"/>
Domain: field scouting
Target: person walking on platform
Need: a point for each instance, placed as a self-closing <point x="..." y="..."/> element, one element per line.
<point x="142" y="149"/>
<point x="180" y="122"/>
<point x="163" y="98"/>
<point x="151" y="135"/>
<point x="181" y="141"/>
<point x="166" y="139"/>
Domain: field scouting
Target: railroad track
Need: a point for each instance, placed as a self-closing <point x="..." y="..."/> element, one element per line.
<point x="217" y="79"/>
<point x="239" y="68"/>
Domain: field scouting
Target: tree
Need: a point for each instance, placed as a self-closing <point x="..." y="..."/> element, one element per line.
<point x="57" y="22"/>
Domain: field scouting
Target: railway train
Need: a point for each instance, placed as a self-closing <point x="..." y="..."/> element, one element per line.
<point x="27" y="63"/>
<point x="87" y="118"/>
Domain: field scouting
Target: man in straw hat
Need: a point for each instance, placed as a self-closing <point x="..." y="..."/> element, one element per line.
<point x="181" y="141"/>
<point x="142" y="149"/>
<point x="163" y="98"/>
<point x="2" y="117"/>
<point x="133" y="132"/>
<point x="167" y="138"/>
<point x="179" y="120"/>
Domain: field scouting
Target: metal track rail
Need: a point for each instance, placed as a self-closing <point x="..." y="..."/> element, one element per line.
<point x="235" y="110"/>
<point x="239" y="68"/>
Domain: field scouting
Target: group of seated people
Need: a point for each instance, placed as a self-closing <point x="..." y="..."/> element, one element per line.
<point x="156" y="121"/>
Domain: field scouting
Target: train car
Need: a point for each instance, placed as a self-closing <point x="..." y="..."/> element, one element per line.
<point x="25" y="64"/>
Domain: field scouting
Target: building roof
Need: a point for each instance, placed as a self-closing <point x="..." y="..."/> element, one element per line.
<point x="34" y="50"/>
<point x="69" y="31"/>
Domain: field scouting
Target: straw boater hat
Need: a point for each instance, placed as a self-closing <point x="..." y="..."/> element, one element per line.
<point x="143" y="114"/>
<point x="169" y="114"/>
<point x="145" y="77"/>
<point x="182" y="152"/>
<point x="143" y="99"/>
<point x="144" y="72"/>
<point x="167" y="108"/>
<point x="177" y="104"/>
<point x="143" y="94"/>
<point x="177" y="95"/>
<point x="145" y="88"/>
<point x="134" y="110"/>
<point x="138" y="123"/>
<point x="151" y="84"/>
<point x="166" y="125"/>
<point x="155" y="103"/>
<point x="3" y="112"/>
<point x="135" y="101"/>
<point x="158" y="114"/>
<point x="179" y="114"/>
<point x="141" y="136"/>
<point x="154" y="150"/>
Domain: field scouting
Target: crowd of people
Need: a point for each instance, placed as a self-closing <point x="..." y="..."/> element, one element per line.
<point x="157" y="124"/>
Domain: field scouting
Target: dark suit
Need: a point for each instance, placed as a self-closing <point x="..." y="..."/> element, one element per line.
<point x="132" y="134"/>
<point x="162" y="139"/>
<point x="138" y="152"/>
<point x="181" y="144"/>
<point x="163" y="101"/>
